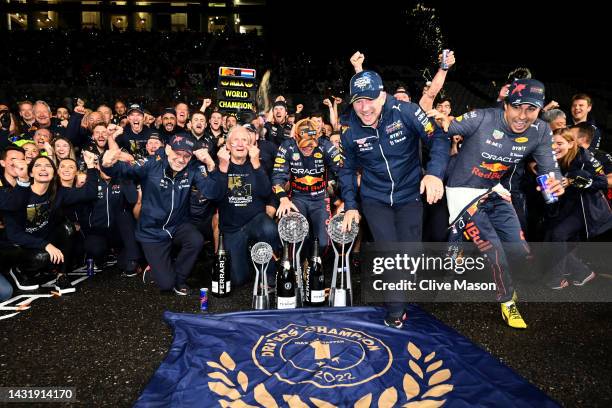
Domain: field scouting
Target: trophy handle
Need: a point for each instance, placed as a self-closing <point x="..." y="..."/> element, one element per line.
<point x="349" y="286"/>
<point x="299" y="275"/>
<point x="261" y="301"/>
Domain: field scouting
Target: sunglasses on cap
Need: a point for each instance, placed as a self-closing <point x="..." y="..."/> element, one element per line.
<point x="308" y="132"/>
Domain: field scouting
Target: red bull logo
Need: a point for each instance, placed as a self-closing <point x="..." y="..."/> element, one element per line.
<point x="472" y="232"/>
<point x="309" y="180"/>
<point x="491" y="175"/>
<point x="494" y="167"/>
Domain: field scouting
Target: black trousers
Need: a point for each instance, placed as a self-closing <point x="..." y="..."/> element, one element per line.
<point x="166" y="273"/>
<point x="98" y="242"/>
<point x="435" y="221"/>
<point x="33" y="261"/>
<point x="567" y="232"/>
<point x="10" y="255"/>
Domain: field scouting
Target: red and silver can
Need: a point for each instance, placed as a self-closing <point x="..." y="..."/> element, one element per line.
<point x="203" y="299"/>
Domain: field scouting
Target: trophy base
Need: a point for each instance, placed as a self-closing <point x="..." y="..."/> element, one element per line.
<point x="261" y="302"/>
<point x="340" y="298"/>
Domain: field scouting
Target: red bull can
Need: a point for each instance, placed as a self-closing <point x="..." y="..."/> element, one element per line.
<point x="444" y="63"/>
<point x="549" y="197"/>
<point x="203" y="299"/>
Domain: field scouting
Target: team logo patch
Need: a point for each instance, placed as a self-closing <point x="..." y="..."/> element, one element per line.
<point x="394" y="127"/>
<point x="318" y="155"/>
<point x="429" y="129"/>
<point x="519" y="89"/>
<point x="497" y="134"/>
<point x="363" y="82"/>
<point x="521" y="139"/>
<point x="295" y="156"/>
<point x="279" y="160"/>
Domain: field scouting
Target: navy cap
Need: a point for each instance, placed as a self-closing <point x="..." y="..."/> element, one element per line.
<point x="401" y="89"/>
<point x="528" y="91"/>
<point x="135" y="107"/>
<point x="155" y="135"/>
<point x="280" y="103"/>
<point x="365" y="85"/>
<point x="182" y="142"/>
<point x="169" y="110"/>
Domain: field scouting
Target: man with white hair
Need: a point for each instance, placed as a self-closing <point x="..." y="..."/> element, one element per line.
<point x="242" y="210"/>
<point x="44" y="120"/>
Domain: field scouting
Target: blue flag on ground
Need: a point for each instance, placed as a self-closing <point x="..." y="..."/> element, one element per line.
<point x="329" y="357"/>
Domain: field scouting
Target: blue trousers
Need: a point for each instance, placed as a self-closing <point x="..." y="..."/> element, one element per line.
<point x="403" y="223"/>
<point x="260" y="229"/>
<point x="6" y="289"/>
<point x="400" y="223"/>
<point x="494" y="224"/>
<point x="167" y="273"/>
<point x="318" y="213"/>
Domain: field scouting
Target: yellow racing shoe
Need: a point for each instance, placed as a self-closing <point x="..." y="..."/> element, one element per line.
<point x="512" y="317"/>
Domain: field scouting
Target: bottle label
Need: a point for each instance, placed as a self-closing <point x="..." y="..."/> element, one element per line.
<point x="286" y="302"/>
<point x="317" y="296"/>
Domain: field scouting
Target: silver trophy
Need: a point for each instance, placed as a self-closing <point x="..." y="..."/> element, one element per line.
<point x="341" y="293"/>
<point x="293" y="229"/>
<point x="261" y="253"/>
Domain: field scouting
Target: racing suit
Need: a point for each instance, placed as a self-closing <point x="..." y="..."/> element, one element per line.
<point x="308" y="180"/>
<point x="491" y="150"/>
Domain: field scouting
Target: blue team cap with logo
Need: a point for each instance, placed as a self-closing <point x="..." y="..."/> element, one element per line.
<point x="529" y="91"/>
<point x="182" y="142"/>
<point x="365" y="85"/>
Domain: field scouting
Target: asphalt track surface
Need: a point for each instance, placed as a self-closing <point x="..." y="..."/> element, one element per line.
<point x="108" y="338"/>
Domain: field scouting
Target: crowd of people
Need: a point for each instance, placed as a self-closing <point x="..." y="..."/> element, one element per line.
<point x="80" y="185"/>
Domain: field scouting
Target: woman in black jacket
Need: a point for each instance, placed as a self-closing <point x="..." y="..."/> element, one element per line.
<point x="109" y="223"/>
<point x="581" y="213"/>
<point x="36" y="224"/>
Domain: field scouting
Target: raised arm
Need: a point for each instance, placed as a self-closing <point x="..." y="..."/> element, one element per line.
<point x="427" y="100"/>
<point x="357" y="61"/>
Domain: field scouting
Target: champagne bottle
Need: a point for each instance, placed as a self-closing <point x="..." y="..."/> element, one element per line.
<point x="221" y="284"/>
<point x="285" y="284"/>
<point x="315" y="278"/>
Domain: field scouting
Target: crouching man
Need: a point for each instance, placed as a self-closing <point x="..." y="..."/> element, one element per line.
<point x="166" y="179"/>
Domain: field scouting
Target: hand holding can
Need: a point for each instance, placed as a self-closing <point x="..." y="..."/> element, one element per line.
<point x="444" y="63"/>
<point x="543" y="182"/>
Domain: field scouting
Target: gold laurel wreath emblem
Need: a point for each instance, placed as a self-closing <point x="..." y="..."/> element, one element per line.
<point x="232" y="385"/>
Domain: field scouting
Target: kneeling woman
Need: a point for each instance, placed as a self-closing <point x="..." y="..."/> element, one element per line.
<point x="36" y="224"/>
<point x="581" y="213"/>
